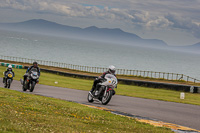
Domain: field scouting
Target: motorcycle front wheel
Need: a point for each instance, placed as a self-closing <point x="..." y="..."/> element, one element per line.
<point x="32" y="86"/>
<point x="9" y="83"/>
<point x="106" y="99"/>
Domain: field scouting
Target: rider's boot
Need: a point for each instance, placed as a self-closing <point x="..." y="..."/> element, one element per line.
<point x="92" y="90"/>
<point x="3" y="79"/>
<point x="93" y="87"/>
<point x="24" y="83"/>
<point x="25" y="77"/>
<point x="5" y="83"/>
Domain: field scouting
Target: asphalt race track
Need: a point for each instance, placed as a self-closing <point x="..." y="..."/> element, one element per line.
<point x="177" y="113"/>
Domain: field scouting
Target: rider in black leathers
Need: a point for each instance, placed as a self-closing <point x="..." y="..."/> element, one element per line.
<point x="35" y="65"/>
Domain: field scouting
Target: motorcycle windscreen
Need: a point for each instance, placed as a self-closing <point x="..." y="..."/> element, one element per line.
<point x="110" y="76"/>
<point x="35" y="73"/>
<point x="34" y="70"/>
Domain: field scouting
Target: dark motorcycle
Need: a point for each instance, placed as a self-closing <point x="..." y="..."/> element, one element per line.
<point x="104" y="90"/>
<point x="8" y="79"/>
<point x="31" y="80"/>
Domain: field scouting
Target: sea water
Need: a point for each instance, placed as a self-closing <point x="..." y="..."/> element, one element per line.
<point x="98" y="54"/>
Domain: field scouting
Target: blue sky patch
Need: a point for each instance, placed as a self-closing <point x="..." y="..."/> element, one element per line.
<point x="99" y="6"/>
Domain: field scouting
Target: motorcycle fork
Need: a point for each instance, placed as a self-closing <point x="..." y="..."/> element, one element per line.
<point x="105" y="91"/>
<point x="27" y="83"/>
<point x="30" y="83"/>
<point x="6" y="81"/>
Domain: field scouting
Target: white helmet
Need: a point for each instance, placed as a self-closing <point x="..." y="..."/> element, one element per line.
<point x="9" y="66"/>
<point x="112" y="69"/>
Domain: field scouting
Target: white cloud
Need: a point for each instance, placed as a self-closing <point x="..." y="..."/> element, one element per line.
<point x="139" y="13"/>
<point x="184" y="23"/>
<point x="159" y="22"/>
<point x="14" y="4"/>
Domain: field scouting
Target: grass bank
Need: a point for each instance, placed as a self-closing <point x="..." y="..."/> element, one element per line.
<point x="126" y="90"/>
<point x="22" y="112"/>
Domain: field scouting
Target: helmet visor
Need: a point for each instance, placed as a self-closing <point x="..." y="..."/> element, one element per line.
<point x="112" y="71"/>
<point x="35" y="65"/>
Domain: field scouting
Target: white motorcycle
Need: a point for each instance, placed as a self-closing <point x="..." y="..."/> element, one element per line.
<point x="104" y="90"/>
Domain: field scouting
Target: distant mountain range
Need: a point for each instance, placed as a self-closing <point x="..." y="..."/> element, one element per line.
<point x="41" y="26"/>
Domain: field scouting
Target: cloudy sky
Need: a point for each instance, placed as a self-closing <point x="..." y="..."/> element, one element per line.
<point x="177" y="22"/>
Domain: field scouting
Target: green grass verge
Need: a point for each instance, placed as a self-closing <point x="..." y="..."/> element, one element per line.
<point x="22" y="112"/>
<point x="126" y="90"/>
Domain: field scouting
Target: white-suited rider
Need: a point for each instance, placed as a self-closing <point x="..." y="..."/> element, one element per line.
<point x="111" y="70"/>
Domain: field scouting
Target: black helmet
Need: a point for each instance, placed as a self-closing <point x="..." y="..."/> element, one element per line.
<point x="35" y="63"/>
